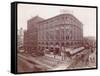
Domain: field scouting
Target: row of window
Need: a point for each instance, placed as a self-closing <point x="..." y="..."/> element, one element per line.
<point x="58" y="36"/>
<point x="54" y="26"/>
<point x="62" y="43"/>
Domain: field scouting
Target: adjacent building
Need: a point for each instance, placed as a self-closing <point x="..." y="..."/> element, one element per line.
<point x="31" y="35"/>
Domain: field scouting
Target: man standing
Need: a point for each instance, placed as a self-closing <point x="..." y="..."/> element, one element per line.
<point x="63" y="53"/>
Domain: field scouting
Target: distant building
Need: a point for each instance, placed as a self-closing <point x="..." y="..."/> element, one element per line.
<point x="91" y="41"/>
<point x="20" y="38"/>
<point x="61" y="30"/>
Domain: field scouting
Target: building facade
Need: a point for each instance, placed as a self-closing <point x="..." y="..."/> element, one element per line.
<point x="31" y="35"/>
<point x="62" y="30"/>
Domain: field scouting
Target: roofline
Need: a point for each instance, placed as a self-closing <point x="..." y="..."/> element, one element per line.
<point x="61" y="15"/>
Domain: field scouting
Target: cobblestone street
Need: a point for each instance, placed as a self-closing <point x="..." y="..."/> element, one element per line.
<point x="48" y="62"/>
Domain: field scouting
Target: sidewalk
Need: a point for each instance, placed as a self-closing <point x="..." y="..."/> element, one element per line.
<point x="34" y="60"/>
<point x="48" y="61"/>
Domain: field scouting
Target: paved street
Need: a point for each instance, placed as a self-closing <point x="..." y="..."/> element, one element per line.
<point x="28" y="66"/>
<point x="47" y="62"/>
<point x="27" y="63"/>
<point x="24" y="66"/>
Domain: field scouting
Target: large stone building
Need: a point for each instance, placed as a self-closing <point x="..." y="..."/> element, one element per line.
<point x="62" y="30"/>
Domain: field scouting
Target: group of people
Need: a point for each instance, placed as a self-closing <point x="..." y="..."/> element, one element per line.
<point x="57" y="52"/>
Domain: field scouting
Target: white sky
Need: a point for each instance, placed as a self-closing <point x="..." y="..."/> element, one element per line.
<point x="86" y="15"/>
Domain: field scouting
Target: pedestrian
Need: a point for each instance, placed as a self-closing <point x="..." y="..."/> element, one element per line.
<point x="63" y="53"/>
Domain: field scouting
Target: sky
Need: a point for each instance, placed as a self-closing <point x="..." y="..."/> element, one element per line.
<point x="86" y="15"/>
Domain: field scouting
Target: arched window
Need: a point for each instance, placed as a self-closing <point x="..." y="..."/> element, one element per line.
<point x="62" y="44"/>
<point x="67" y="37"/>
<point x="46" y="43"/>
<point x="51" y="43"/>
<point x="57" y="43"/>
<point x="67" y="43"/>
